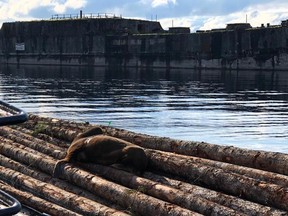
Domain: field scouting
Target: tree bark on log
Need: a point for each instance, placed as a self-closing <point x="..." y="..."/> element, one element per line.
<point x="27" y="156"/>
<point x="191" y="159"/>
<point x="272" y="177"/>
<point x="31" y="142"/>
<point x="260" y="175"/>
<point x="253" y="173"/>
<point x="52" y="127"/>
<point x="238" y="204"/>
<point x="187" y="200"/>
<point x="4" y="143"/>
<point x="71" y="125"/>
<point x="255" y="185"/>
<point x="126" y="197"/>
<point x="55" y="195"/>
<point x="113" y="192"/>
<point x="240" y="190"/>
<point x="18" y="157"/>
<point x="29" y="171"/>
<point x="36" y="202"/>
<point x="41" y="136"/>
<point x="269" y="161"/>
<point x="238" y="185"/>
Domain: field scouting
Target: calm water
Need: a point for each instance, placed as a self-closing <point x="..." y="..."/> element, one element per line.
<point x="245" y="109"/>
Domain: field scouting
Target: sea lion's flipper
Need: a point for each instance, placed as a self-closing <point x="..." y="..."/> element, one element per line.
<point x="58" y="168"/>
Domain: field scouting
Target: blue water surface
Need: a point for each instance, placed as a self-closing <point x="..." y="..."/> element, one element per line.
<point x="247" y="109"/>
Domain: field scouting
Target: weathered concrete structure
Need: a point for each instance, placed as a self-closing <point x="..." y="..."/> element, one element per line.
<point x="138" y="43"/>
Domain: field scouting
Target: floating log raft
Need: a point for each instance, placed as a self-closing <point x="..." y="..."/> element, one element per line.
<point x="183" y="178"/>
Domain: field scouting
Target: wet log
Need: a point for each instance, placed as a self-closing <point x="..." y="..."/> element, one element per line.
<point x="12" y="148"/>
<point x="197" y="160"/>
<point x="130" y="199"/>
<point x="217" y="175"/>
<point x="238" y="192"/>
<point x="27" y="156"/>
<point x="55" y="194"/>
<point x="34" y="173"/>
<point x="253" y="173"/>
<point x="260" y="175"/>
<point x="236" y="203"/>
<point x="187" y="200"/>
<point x="31" y="142"/>
<point x="198" y="204"/>
<point x="231" y="183"/>
<point x="41" y="136"/>
<point x="59" y="129"/>
<point x="269" y="161"/>
<point x="126" y="197"/>
<point x="37" y="203"/>
<point x="69" y="124"/>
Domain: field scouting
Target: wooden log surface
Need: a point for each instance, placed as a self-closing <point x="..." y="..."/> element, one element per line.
<point x="54" y="194"/>
<point x="108" y="190"/>
<point x="42" y="204"/>
<point x="219" y="179"/>
<point x="183" y="178"/>
<point x="263" y="160"/>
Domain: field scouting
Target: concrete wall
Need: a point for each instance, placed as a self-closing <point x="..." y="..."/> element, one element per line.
<point x="136" y="43"/>
<point x="69" y="36"/>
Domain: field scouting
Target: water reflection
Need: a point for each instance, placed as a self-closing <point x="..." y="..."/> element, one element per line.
<point x="244" y="108"/>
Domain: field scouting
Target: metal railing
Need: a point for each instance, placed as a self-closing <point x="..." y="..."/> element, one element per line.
<point x="85" y="16"/>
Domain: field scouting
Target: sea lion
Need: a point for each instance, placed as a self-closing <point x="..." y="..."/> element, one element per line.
<point x="94" y="147"/>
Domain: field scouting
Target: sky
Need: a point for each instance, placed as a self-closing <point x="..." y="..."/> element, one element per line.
<point x="196" y="14"/>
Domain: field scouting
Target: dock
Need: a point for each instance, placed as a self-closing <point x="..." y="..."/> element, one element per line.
<point x="182" y="178"/>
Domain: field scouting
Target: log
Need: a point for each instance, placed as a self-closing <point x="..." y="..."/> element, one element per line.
<point x="269" y="161"/>
<point x="30" y="174"/>
<point x="197" y="160"/>
<point x="244" y="206"/>
<point x="61" y="133"/>
<point x="260" y="175"/>
<point x="53" y="127"/>
<point x="36" y="202"/>
<point x="121" y="195"/>
<point x="31" y="142"/>
<point x="29" y="171"/>
<point x="231" y="183"/>
<point x="17" y="147"/>
<point x="223" y="176"/>
<point x="126" y="197"/>
<point x="71" y="125"/>
<point x="55" y="194"/>
<point x="253" y="173"/>
<point x="27" y="156"/>
<point x="41" y="136"/>
<point x="187" y="200"/>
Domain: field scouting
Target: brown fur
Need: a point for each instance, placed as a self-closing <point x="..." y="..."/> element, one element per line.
<point x="90" y="132"/>
<point x="105" y="150"/>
